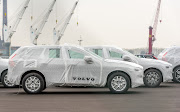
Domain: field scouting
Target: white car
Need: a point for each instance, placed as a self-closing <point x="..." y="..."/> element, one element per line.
<point x="3" y="73"/>
<point x="172" y="55"/>
<point x="155" y="71"/>
<point x="38" y="67"/>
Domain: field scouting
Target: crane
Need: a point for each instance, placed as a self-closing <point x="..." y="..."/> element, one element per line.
<point x="9" y="31"/>
<point x="38" y="25"/>
<point x="57" y="34"/>
<point x="152" y="30"/>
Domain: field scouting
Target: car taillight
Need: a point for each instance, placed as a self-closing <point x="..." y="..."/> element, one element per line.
<point x="11" y="62"/>
<point x="13" y="56"/>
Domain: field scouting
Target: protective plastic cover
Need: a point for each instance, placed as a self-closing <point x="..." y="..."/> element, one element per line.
<point x="68" y="65"/>
<point x="164" y="67"/>
<point x="3" y="65"/>
<point x="171" y="55"/>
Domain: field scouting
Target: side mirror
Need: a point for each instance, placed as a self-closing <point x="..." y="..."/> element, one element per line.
<point x="88" y="59"/>
<point x="127" y="58"/>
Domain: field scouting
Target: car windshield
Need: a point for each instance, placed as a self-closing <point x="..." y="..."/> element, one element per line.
<point x="165" y="50"/>
<point x="128" y="53"/>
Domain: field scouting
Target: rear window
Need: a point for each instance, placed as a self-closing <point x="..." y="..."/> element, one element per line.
<point x="18" y="53"/>
<point x="33" y="53"/>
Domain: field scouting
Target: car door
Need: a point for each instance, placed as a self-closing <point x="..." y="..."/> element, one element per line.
<point x="53" y="65"/>
<point x="78" y="71"/>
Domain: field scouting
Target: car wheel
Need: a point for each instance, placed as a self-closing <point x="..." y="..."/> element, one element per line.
<point x="153" y="78"/>
<point x="33" y="83"/>
<point x="5" y="82"/>
<point x="176" y="75"/>
<point x="118" y="83"/>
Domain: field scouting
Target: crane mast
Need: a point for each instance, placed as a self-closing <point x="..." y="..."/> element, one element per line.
<point x="57" y="34"/>
<point x="9" y="31"/>
<point x="35" y="32"/>
<point x="152" y="30"/>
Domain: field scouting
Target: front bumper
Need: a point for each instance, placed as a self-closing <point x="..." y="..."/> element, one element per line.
<point x="137" y="79"/>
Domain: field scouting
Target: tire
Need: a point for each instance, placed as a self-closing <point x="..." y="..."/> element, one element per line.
<point x="115" y="88"/>
<point x="5" y="82"/>
<point x="36" y="83"/>
<point x="153" y="78"/>
<point x="176" y="75"/>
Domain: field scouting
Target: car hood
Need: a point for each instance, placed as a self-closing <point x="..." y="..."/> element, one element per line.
<point x="153" y="61"/>
<point x="3" y="64"/>
<point x="123" y="62"/>
<point x="3" y="61"/>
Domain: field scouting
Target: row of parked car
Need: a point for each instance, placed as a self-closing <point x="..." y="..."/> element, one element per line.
<point x="37" y="67"/>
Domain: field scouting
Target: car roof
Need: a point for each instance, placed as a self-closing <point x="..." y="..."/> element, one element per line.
<point x="104" y="46"/>
<point x="49" y="46"/>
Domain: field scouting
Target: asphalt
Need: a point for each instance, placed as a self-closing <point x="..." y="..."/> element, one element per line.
<point x="162" y="99"/>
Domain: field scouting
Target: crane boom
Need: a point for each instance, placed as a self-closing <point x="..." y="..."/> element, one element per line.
<point x="35" y="32"/>
<point x="152" y="30"/>
<point x="156" y="19"/>
<point x="57" y="34"/>
<point x="9" y="31"/>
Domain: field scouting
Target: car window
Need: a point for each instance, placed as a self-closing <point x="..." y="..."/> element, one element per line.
<point x="150" y="57"/>
<point x="54" y="53"/>
<point x="114" y="54"/>
<point x="75" y="55"/>
<point x="98" y="52"/>
<point x="18" y="53"/>
<point x="29" y="53"/>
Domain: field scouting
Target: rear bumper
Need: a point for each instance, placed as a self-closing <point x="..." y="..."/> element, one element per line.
<point x="14" y="79"/>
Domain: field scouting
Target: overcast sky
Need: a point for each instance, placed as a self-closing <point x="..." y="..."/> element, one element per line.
<point x="103" y="22"/>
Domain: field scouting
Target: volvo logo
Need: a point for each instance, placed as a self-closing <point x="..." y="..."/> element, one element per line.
<point x="83" y="78"/>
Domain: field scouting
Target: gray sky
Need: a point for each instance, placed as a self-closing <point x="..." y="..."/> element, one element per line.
<point x="103" y="22"/>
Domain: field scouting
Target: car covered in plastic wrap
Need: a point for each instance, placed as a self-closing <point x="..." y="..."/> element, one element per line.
<point x="172" y="55"/>
<point x="155" y="71"/>
<point x="38" y="67"/>
<point x="3" y="73"/>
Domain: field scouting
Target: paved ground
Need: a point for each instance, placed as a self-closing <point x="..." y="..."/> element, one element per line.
<point x="163" y="99"/>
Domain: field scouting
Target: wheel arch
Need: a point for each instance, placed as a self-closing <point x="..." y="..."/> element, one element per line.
<point x="2" y="73"/>
<point x="116" y="72"/>
<point x="174" y="78"/>
<point x="35" y="71"/>
<point x="176" y="67"/>
<point x="155" y="69"/>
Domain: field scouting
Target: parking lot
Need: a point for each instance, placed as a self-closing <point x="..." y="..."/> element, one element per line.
<point x="162" y="99"/>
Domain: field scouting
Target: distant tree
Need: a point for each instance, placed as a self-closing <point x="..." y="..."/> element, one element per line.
<point x="143" y="52"/>
<point x="131" y="51"/>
